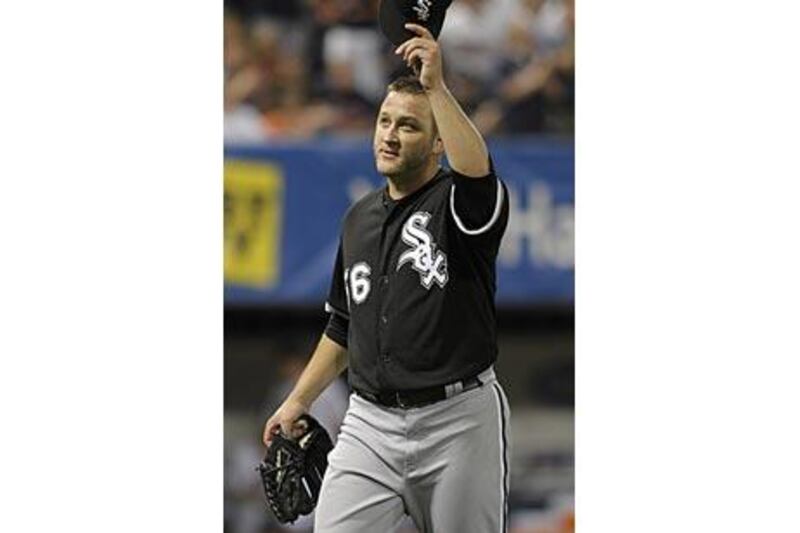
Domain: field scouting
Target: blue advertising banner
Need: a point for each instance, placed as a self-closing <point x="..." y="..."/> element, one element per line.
<point x="284" y="204"/>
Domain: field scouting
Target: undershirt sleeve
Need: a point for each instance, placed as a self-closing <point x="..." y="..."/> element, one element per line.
<point x="337" y="304"/>
<point x="337" y="294"/>
<point x="337" y="329"/>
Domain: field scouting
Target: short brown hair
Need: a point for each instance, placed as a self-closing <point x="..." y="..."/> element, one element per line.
<point x="406" y="84"/>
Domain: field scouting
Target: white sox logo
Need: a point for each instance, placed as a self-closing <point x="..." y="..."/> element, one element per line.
<point x="423" y="256"/>
<point x="423" y="9"/>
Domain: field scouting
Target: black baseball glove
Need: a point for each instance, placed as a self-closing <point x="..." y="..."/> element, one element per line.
<point x="293" y="469"/>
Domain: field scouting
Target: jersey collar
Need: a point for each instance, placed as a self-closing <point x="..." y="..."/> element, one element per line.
<point x="388" y="202"/>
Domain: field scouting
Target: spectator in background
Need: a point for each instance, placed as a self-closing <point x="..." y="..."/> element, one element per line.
<point x="285" y="10"/>
<point x="537" y="96"/>
<point x="472" y="40"/>
<point x="538" y="29"/>
<point x="352" y="50"/>
<point x="346" y="38"/>
<point x="346" y="73"/>
<point x="283" y="96"/>
<point x="242" y="119"/>
<point x="301" y="68"/>
<point x="350" y="111"/>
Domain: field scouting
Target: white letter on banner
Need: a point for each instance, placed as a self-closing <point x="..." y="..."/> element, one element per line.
<point x="549" y="229"/>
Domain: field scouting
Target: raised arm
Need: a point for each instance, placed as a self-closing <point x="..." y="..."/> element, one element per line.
<point x="466" y="151"/>
<point x="327" y="362"/>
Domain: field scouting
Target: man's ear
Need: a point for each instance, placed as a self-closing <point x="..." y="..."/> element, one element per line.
<point x="438" y="146"/>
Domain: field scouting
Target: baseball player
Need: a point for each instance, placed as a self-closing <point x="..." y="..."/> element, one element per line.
<point x="412" y="316"/>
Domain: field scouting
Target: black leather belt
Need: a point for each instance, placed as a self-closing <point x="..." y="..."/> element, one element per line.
<point x="419" y="397"/>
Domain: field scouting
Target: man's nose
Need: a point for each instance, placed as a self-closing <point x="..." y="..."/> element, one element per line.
<point x="390" y="136"/>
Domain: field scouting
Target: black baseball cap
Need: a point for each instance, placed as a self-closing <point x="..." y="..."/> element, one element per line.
<point x="394" y="14"/>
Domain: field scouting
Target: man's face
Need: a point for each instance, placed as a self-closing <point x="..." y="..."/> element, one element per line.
<point x="404" y="135"/>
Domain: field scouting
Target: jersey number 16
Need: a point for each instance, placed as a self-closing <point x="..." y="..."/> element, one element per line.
<point x="356" y="282"/>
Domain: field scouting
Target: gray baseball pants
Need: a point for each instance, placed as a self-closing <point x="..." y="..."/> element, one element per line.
<point x="445" y="464"/>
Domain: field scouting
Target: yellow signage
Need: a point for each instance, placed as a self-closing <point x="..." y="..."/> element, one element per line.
<point x="252" y="223"/>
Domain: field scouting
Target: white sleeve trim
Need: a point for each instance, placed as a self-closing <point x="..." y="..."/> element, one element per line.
<point x="498" y="204"/>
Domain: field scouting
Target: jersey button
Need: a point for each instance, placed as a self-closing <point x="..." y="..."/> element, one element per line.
<point x="384" y="319"/>
<point x="385" y="357"/>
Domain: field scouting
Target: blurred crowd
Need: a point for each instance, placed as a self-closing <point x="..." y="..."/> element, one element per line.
<point x="296" y="69"/>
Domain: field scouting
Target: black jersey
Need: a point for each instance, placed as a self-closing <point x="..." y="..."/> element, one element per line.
<point x="415" y="279"/>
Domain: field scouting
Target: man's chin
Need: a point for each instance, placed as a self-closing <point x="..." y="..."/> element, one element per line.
<point x="388" y="169"/>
